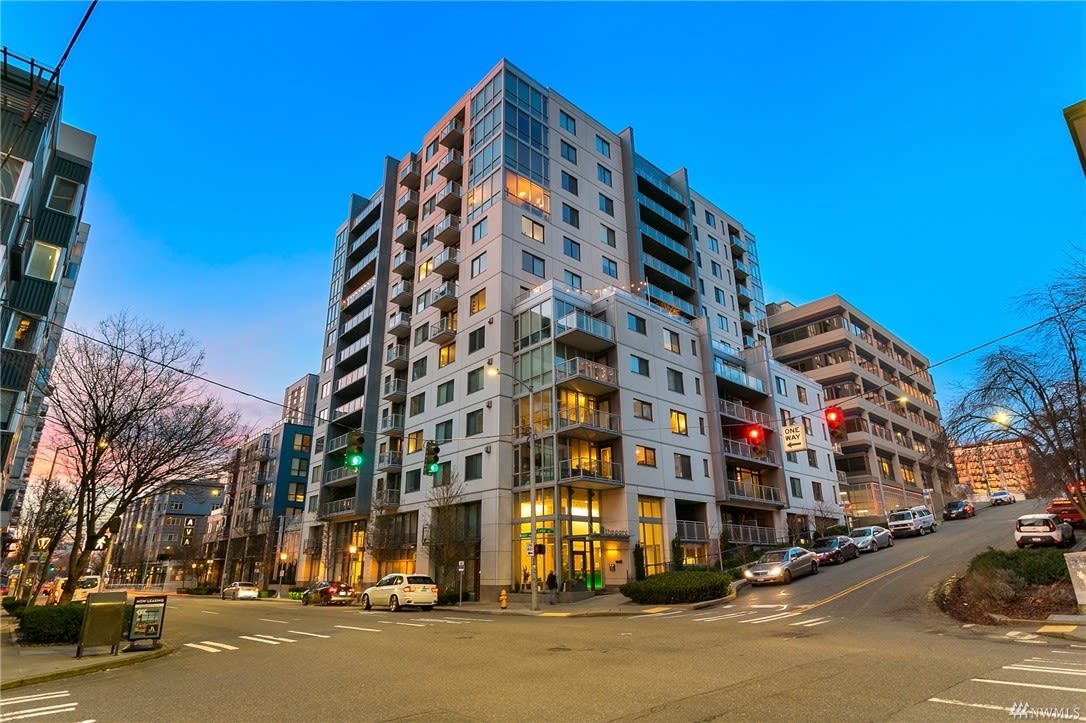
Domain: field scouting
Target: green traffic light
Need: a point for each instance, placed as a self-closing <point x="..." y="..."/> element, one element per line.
<point x="354" y="460"/>
<point x="433" y="468"/>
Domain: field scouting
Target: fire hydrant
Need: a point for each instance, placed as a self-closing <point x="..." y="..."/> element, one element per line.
<point x="503" y="599"/>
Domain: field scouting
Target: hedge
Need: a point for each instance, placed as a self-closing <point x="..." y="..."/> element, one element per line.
<point x="13" y="605"/>
<point x="1034" y="567"/>
<point x="679" y="586"/>
<point x="51" y="624"/>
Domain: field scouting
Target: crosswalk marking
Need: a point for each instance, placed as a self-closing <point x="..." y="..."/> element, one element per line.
<point x="739" y="614"/>
<point x="1028" y="685"/>
<point x="205" y="648"/>
<point x="352" y="627"/>
<point x="35" y="697"/>
<point x="35" y="712"/>
<point x="224" y="646"/>
<point x="272" y="637"/>
<point x="811" y="623"/>
<point x="258" y="640"/>
<point x="770" y="618"/>
<point x="312" y="635"/>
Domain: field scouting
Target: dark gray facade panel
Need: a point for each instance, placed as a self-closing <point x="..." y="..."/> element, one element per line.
<point x="32" y="295"/>
<point x="72" y="170"/>
<point x="54" y="227"/>
<point x="17" y="368"/>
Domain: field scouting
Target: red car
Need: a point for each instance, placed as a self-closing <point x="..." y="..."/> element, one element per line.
<point x="328" y="592"/>
<point x="1065" y="510"/>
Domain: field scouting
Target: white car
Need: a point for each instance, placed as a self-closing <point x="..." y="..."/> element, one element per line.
<point x="241" y="591"/>
<point x="1043" y="529"/>
<point x="1001" y="497"/>
<point x="399" y="589"/>
<point x="85" y="585"/>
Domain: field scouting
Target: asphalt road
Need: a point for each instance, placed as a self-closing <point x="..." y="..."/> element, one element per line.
<point x="858" y="642"/>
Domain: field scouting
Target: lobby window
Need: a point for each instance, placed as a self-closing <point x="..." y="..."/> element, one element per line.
<point x="603" y="174"/>
<point x="671" y="341"/>
<point x="675" y="381"/>
<point x="531" y="228"/>
<point x="478" y="265"/>
<point x="603" y="147"/>
<point x="474" y="423"/>
<point x="635" y="323"/>
<point x="571" y="248"/>
<point x="446" y="355"/>
<point x="639" y="365"/>
<point x="567" y="122"/>
<point x="678" y="422"/>
<point x="418" y="369"/>
<point x="473" y="466"/>
<point x="477" y="301"/>
<point x="475" y="380"/>
<point x="682" y="467"/>
<point x="572" y="280"/>
<point x="609" y="267"/>
<point x="568" y="152"/>
<point x="571" y="216"/>
<point x="607" y="236"/>
<point x="444" y="393"/>
<point x="569" y="183"/>
<point x="533" y="264"/>
<point x="645" y="456"/>
<point x="478" y="231"/>
<point x="642" y="410"/>
<point x="797" y="487"/>
<point x="607" y="205"/>
<point x="477" y="339"/>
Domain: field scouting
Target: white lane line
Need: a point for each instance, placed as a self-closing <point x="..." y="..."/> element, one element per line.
<point x="35" y="712"/>
<point x="986" y="706"/>
<point x="812" y="623"/>
<point x="1048" y="660"/>
<point x="205" y="648"/>
<point x="209" y="612"/>
<point x="352" y="627"/>
<point x="645" y="616"/>
<point x="1028" y="685"/>
<point x="269" y="620"/>
<point x="1065" y="652"/>
<point x="224" y="646"/>
<point x="439" y="620"/>
<point x="725" y="616"/>
<point x="257" y="640"/>
<point x="769" y="618"/>
<point x="272" y="637"/>
<point x="312" y="635"/>
<point x="36" y="697"/>
<point x="775" y="607"/>
<point x="1044" y="669"/>
<point x="469" y="620"/>
<point x="413" y="625"/>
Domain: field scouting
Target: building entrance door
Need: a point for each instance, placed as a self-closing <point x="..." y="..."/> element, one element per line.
<point x="585" y="561"/>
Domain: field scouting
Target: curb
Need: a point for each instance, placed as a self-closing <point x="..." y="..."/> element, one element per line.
<point x="115" y="661"/>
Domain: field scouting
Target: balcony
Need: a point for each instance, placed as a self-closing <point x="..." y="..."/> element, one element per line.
<point x="386" y="497"/>
<point x="391" y="424"/>
<point x="735" y="375"/>
<point x="336" y="476"/>
<point x="395" y="390"/>
<point x="738" y="247"/>
<point x="451" y="166"/>
<point x="450" y="197"/>
<point x="403" y="263"/>
<point x="745" y="413"/>
<point x="408" y="203"/>
<point x="692" y="530"/>
<point x="401" y="293"/>
<point x="445" y="296"/>
<point x="743" y="293"/>
<point x="410" y="174"/>
<point x="353" y="382"/>
<point x="406" y="233"/>
<point x="587" y="377"/>
<point x="448" y="231"/>
<point x="742" y="271"/>
<point x="735" y="448"/>
<point x="399" y="324"/>
<point x="588" y="423"/>
<point x="396" y="356"/>
<point x="660" y="217"/>
<point x="447" y="263"/>
<point x="754" y="492"/>
<point x="589" y="472"/>
<point x="444" y="331"/>
<point x="583" y="331"/>
<point x="337" y="508"/>
<point x="452" y="135"/>
<point x="668" y="300"/>
<point x="389" y="461"/>
<point x="751" y="535"/>
<point x="746" y="320"/>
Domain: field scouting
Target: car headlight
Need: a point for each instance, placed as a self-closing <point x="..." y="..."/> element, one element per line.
<point x="748" y="573"/>
<point x="775" y="571"/>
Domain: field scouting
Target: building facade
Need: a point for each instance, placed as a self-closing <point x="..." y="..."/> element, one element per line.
<point x="45" y="169"/>
<point x="990" y="466"/>
<point x="582" y="336"/>
<point x="890" y="453"/>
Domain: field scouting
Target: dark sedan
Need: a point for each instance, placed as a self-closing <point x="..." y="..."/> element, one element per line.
<point x="836" y="548"/>
<point x="327" y="592"/>
<point x="958" y="510"/>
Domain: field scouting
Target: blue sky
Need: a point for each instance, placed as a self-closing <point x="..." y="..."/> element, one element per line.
<point x="911" y="157"/>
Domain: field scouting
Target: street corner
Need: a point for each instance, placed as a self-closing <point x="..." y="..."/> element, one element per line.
<point x="33" y="670"/>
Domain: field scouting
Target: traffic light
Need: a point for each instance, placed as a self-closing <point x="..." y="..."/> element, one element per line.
<point x="354" y="450"/>
<point x="755" y="437"/>
<point x="540" y="549"/>
<point x="432" y="464"/>
<point x="835" y="420"/>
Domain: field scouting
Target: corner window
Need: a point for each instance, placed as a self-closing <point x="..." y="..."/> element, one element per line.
<point x="44" y="259"/>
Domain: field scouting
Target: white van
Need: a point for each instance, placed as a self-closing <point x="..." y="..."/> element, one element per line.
<point x="85" y="585"/>
<point x="916" y="520"/>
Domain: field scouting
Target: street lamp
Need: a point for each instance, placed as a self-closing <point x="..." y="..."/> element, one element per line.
<point x="350" y="562"/>
<point x="493" y="371"/>
<point x="282" y="569"/>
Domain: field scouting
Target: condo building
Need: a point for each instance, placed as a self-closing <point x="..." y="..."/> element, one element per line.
<point x="45" y="168"/>
<point x="987" y="467"/>
<point x="892" y="453"/>
<point x="581" y="336"/>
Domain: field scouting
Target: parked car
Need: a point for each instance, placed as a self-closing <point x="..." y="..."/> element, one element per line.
<point x="959" y="510"/>
<point x="836" y="549"/>
<point x="916" y="520"/>
<point x="399" y="589"/>
<point x="1043" y="529"/>
<point x="241" y="591"/>
<point x="872" y="539"/>
<point x="328" y="592"/>
<point x="1001" y="497"/>
<point x="1063" y="508"/>
<point x="782" y="566"/>
<point x="85" y="585"/>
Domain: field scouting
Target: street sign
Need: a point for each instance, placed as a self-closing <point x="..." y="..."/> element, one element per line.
<point x="795" y="438"/>
<point x="43" y="543"/>
<point x="460" y="566"/>
<point x="531" y="550"/>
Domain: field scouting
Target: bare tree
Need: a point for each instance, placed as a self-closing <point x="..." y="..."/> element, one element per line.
<point x="47" y="515"/>
<point x="1037" y="393"/>
<point x="448" y="542"/>
<point x="134" y="416"/>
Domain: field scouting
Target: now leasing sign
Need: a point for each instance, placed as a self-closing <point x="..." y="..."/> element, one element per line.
<point x="795" y="438"/>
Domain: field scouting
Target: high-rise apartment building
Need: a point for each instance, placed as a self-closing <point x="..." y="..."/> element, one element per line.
<point x="45" y="168"/>
<point x="534" y="296"/>
<point x="990" y="466"/>
<point x="893" y="453"/>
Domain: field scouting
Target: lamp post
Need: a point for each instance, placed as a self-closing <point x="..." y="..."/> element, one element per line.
<point x="494" y="371"/>
<point x="282" y="569"/>
<point x="353" y="549"/>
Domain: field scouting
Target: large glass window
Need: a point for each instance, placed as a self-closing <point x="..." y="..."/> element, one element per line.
<point x="44" y="259"/>
<point x="65" y="195"/>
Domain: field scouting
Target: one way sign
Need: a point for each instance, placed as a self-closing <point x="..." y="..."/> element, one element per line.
<point x="795" y="438"/>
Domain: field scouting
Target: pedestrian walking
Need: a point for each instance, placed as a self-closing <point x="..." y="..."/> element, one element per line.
<point x="552" y="588"/>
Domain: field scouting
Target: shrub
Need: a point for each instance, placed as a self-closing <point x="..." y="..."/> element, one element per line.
<point x="56" y="624"/>
<point x="1032" y="567"/>
<point x="14" y="606"/>
<point x="297" y="589"/>
<point x="679" y="586"/>
<point x="447" y="596"/>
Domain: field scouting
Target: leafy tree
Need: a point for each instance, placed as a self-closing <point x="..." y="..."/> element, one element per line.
<point x="133" y="415"/>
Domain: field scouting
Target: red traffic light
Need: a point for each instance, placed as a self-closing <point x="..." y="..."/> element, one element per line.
<point x="755" y="434"/>
<point x="834" y="417"/>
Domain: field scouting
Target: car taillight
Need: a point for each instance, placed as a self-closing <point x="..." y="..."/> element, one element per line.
<point x="408" y="588"/>
<point x="434" y="588"/>
<point x="332" y="590"/>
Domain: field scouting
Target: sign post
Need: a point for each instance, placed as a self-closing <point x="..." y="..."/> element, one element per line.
<point x="460" y="569"/>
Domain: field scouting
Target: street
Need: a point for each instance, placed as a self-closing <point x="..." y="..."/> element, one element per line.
<point x="859" y="641"/>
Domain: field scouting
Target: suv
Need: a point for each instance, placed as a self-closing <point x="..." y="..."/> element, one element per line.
<point x="1063" y="508"/>
<point x="916" y="520"/>
<point x="399" y="589"/>
<point x="1043" y="529"/>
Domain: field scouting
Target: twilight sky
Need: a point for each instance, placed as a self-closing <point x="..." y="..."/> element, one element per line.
<point x="911" y="157"/>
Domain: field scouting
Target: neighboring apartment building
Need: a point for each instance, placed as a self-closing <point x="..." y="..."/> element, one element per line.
<point x="890" y="454"/>
<point x="989" y="466"/>
<point x="42" y="189"/>
<point x="529" y="292"/>
<point x="160" y="539"/>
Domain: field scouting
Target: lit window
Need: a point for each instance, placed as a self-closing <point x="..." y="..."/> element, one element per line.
<point x="531" y="228"/>
<point x="44" y="259"/>
<point x="645" y="456"/>
<point x="446" y="355"/>
<point x="678" y="422"/>
<point x="477" y="301"/>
